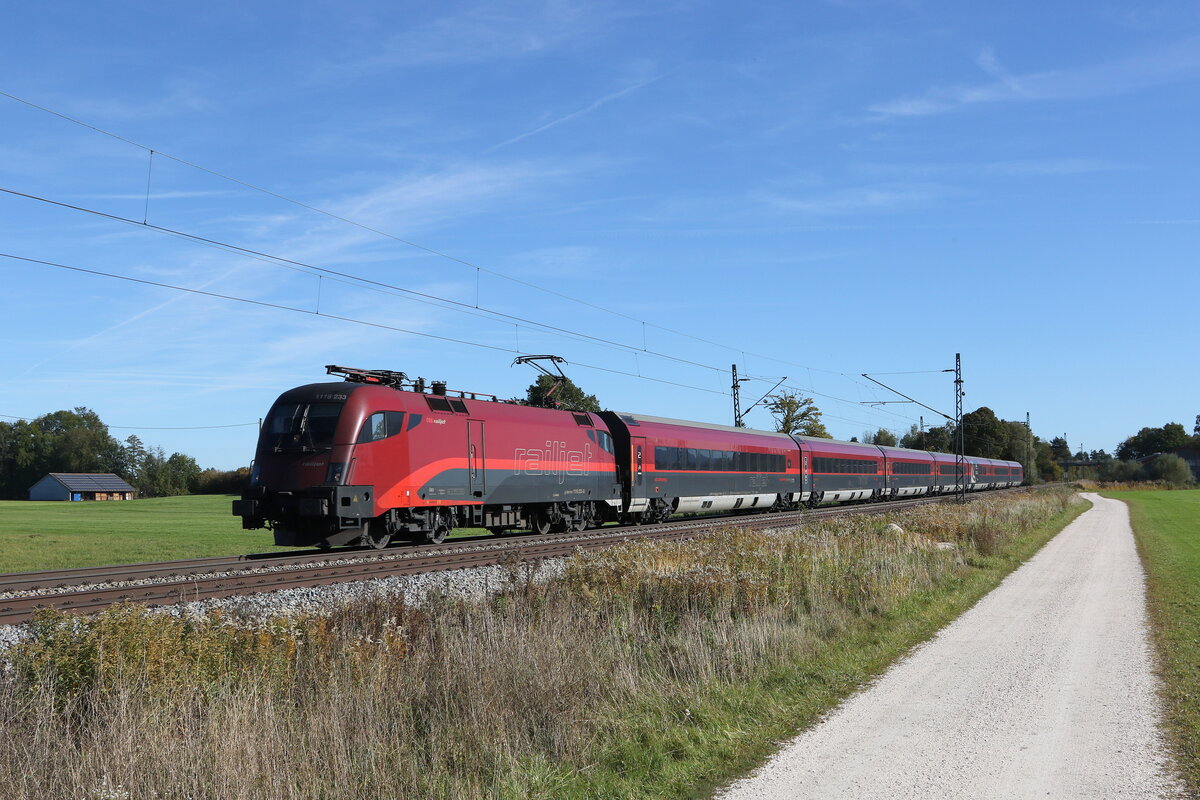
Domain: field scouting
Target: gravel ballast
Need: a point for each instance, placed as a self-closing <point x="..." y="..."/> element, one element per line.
<point x="1044" y="689"/>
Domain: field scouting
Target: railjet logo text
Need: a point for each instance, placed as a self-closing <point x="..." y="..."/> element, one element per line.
<point x="555" y="460"/>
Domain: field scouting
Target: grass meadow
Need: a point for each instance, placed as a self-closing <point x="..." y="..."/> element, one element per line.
<point x="58" y="535"/>
<point x="645" y="670"/>
<point x="1167" y="527"/>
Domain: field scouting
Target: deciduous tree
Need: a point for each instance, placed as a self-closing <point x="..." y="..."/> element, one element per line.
<point x="796" y="414"/>
<point x="882" y="437"/>
<point x="550" y="392"/>
<point x="1149" y="441"/>
<point x="984" y="434"/>
<point x="939" y="438"/>
<point x="61" y="441"/>
<point x="78" y="441"/>
<point x="1170" y="468"/>
<point x="1048" y="467"/>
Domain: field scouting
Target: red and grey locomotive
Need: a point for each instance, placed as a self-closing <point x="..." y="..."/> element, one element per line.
<point x="378" y="457"/>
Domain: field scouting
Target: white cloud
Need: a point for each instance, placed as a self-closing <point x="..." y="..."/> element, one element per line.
<point x="486" y="32"/>
<point x="181" y="98"/>
<point x="1171" y="62"/>
<point x="568" y="260"/>
<point x="589" y="108"/>
<point x="421" y="201"/>
<point x="858" y="199"/>
<point x="1007" y="168"/>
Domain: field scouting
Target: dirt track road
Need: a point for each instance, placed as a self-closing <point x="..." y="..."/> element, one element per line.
<point x="1044" y="689"/>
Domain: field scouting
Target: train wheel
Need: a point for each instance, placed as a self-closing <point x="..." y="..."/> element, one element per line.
<point x="578" y="523"/>
<point x="437" y="535"/>
<point x="496" y="530"/>
<point x="668" y="508"/>
<point x="579" y="517"/>
<point x="658" y="511"/>
<point x="539" y="522"/>
<point x="441" y="525"/>
<point x="375" y="536"/>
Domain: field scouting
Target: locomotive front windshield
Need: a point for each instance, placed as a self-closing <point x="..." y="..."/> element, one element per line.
<point x="307" y="427"/>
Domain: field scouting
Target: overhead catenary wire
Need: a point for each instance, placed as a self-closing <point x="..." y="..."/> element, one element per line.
<point x="355" y="280"/>
<point x="311" y="313"/>
<point x="278" y="306"/>
<point x="152" y="152"/>
<point x="401" y="240"/>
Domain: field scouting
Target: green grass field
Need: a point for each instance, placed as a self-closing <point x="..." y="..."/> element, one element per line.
<point x="47" y="535"/>
<point x="1167" y="527"/>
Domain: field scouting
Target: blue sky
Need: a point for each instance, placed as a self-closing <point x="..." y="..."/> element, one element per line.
<point x="811" y="190"/>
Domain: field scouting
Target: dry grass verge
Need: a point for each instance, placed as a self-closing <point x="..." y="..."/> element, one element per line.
<point x="644" y="671"/>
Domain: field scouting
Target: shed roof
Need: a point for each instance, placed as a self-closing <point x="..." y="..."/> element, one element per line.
<point x="91" y="482"/>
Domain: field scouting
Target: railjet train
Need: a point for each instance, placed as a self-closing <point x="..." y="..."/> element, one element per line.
<point x="378" y="458"/>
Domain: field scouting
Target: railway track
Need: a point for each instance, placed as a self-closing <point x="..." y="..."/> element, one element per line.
<point x="87" y="590"/>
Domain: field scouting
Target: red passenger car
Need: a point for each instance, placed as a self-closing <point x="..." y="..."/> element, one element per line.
<point x="909" y="472"/>
<point x="677" y="466"/>
<point x="842" y="471"/>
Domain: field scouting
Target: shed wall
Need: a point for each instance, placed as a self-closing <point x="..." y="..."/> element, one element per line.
<point x="49" y="489"/>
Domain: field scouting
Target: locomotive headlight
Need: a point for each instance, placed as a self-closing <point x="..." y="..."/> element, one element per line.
<point x="336" y="472"/>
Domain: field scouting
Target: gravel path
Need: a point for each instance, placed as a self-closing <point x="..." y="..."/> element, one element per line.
<point x="1043" y="689"/>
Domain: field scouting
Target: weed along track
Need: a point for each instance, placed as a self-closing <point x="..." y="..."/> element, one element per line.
<point x="88" y="590"/>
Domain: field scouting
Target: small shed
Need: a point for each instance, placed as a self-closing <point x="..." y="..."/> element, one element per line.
<point x="81" y="486"/>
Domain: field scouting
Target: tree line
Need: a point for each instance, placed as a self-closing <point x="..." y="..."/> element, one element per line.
<point x="1125" y="464"/>
<point x="79" y="441"/>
